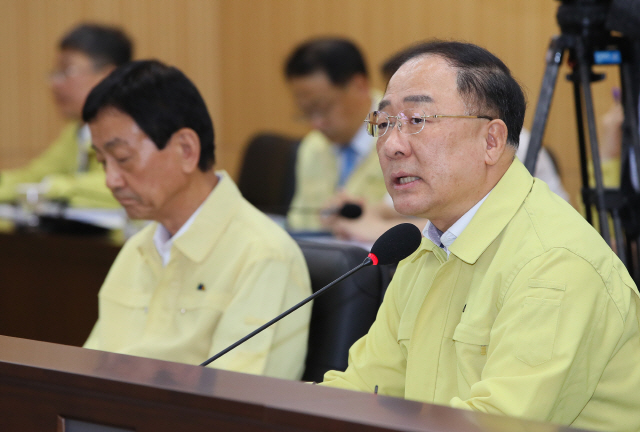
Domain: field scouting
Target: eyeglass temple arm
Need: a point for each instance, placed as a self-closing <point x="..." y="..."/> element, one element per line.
<point x="462" y="116"/>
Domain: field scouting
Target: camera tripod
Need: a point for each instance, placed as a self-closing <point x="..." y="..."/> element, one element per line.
<point x="587" y="41"/>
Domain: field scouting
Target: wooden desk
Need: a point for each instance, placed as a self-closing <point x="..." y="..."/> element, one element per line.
<point x="42" y="384"/>
<point x="49" y="285"/>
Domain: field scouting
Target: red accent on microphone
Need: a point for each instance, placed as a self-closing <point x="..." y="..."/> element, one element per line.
<point x="373" y="258"/>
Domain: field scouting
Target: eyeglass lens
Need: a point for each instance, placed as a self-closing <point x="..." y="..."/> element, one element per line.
<point x="409" y="121"/>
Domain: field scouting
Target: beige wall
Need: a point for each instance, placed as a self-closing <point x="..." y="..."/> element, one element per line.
<point x="234" y="50"/>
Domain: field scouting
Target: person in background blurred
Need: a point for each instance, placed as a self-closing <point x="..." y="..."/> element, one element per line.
<point x="68" y="169"/>
<point x="610" y="141"/>
<point x="329" y="81"/>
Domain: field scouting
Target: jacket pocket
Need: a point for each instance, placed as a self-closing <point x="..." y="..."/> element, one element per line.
<point x="471" y="335"/>
<point x="128" y="298"/>
<point x="193" y="300"/>
<point x="405" y="329"/>
<point x="538" y="325"/>
<point x="471" y="344"/>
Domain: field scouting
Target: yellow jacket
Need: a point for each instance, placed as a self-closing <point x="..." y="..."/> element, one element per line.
<point x="60" y="164"/>
<point x="532" y="316"/>
<point x="230" y="272"/>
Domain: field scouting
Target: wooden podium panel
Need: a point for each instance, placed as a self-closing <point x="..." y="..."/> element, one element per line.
<point x="46" y="387"/>
<point x="49" y="285"/>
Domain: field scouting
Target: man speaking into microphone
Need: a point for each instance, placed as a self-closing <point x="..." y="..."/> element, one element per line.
<point x="513" y="304"/>
<point x="212" y="268"/>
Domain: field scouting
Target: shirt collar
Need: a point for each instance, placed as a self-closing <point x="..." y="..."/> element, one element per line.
<point x="163" y="240"/>
<point x="362" y="142"/>
<point x="448" y="237"/>
<point x="211" y="221"/>
<point x="84" y="136"/>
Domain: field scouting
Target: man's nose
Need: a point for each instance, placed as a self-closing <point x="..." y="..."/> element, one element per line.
<point x="395" y="145"/>
<point x="114" y="177"/>
<point x="55" y="83"/>
<point x="318" y="122"/>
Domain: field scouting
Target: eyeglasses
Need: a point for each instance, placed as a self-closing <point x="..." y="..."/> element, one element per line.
<point x="70" y="71"/>
<point x="318" y="111"/>
<point x="410" y="121"/>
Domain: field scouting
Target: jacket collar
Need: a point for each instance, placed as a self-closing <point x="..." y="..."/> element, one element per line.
<point x="216" y="214"/>
<point x="494" y="214"/>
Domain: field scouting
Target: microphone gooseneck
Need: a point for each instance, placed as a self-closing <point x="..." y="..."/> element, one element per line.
<point x="367" y="262"/>
<point x="394" y="245"/>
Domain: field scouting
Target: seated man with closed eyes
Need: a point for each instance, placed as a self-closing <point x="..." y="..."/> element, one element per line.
<point x="211" y="268"/>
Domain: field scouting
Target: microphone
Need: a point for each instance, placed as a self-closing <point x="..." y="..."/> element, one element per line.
<point x="391" y="247"/>
<point x="348" y="210"/>
<point x="396" y="244"/>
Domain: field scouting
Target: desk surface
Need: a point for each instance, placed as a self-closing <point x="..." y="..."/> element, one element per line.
<point x="40" y="383"/>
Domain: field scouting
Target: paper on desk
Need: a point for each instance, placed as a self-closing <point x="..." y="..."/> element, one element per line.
<point x="105" y="218"/>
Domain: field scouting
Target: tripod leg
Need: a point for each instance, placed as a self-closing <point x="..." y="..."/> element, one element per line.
<point x="621" y="248"/>
<point x="631" y="147"/>
<point x="585" y="83"/>
<point x="630" y="158"/>
<point x="582" y="147"/>
<point x="554" y="60"/>
<point x="635" y="256"/>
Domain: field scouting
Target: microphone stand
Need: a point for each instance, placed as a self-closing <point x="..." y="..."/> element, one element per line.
<point x="367" y="262"/>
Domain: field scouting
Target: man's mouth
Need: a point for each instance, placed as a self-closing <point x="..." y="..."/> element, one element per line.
<point x="405" y="180"/>
<point x="124" y="200"/>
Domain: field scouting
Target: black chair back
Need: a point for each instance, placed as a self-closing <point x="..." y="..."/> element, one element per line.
<point x="267" y="176"/>
<point x="345" y="312"/>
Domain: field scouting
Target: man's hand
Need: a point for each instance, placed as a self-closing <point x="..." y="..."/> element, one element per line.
<point x="611" y="131"/>
<point x="328" y="215"/>
<point x="375" y="220"/>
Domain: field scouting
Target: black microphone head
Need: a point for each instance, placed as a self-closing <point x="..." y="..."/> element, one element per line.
<point x="396" y="244"/>
<point x="350" y="211"/>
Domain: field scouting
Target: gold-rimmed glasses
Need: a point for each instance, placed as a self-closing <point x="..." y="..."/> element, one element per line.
<point x="409" y="121"/>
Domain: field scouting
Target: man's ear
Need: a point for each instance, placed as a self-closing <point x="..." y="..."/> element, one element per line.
<point x="496" y="141"/>
<point x="186" y="143"/>
<point x="360" y="83"/>
<point x="105" y="71"/>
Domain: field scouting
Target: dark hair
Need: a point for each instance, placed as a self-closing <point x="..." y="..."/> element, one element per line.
<point x="484" y="82"/>
<point x="105" y="45"/>
<point x="340" y="59"/>
<point x="160" y="99"/>
<point x="393" y="63"/>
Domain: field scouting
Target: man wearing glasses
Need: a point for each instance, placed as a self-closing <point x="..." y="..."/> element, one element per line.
<point x="513" y="304"/>
<point x="329" y="82"/>
<point x="68" y="168"/>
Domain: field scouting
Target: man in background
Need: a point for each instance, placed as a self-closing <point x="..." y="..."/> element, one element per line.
<point x="513" y="304"/>
<point x="330" y="85"/>
<point x="211" y="268"/>
<point x="68" y="169"/>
